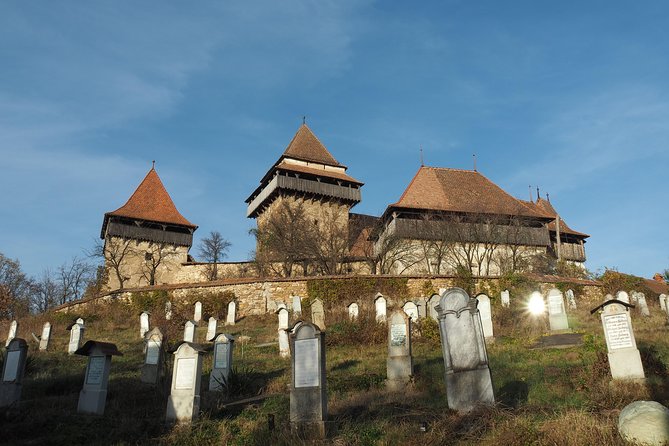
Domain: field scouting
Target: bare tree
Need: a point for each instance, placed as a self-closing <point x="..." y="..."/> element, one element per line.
<point x="114" y="251"/>
<point x="73" y="278"/>
<point x="15" y="288"/>
<point x="154" y="257"/>
<point x="213" y="249"/>
<point x="47" y="292"/>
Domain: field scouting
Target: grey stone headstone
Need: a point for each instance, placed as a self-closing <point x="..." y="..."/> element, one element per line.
<point x="168" y="310"/>
<point x="318" y="314"/>
<point x="189" y="331"/>
<point x="284" y="346"/>
<point x="13" y="330"/>
<point x="624" y="357"/>
<point x="143" y="324"/>
<point x="297" y="305"/>
<point x="506" y="299"/>
<point x="76" y="336"/>
<point x="380" y="307"/>
<point x="432" y="306"/>
<point x="197" y="314"/>
<point x="644" y="422"/>
<point x="608" y="297"/>
<point x="399" y="365"/>
<point x="80" y="321"/>
<point x="623" y="296"/>
<point x="222" y="362"/>
<point x="557" y="316"/>
<point x="485" y="310"/>
<point x="308" y="386"/>
<point x="212" y="325"/>
<point x="13" y="369"/>
<point x="183" y="404"/>
<point x="231" y="317"/>
<point x="643" y="305"/>
<point x="46" y="336"/>
<point x="93" y="394"/>
<point x="421" y="304"/>
<point x="663" y="302"/>
<point x="411" y="310"/>
<point x="153" y="361"/>
<point x="468" y="379"/>
<point x="571" y="299"/>
<point x="353" y="311"/>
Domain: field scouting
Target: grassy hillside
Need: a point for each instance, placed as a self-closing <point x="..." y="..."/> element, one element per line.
<point x="546" y="396"/>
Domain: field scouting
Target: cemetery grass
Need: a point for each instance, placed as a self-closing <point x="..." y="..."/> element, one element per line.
<point x="545" y="396"/>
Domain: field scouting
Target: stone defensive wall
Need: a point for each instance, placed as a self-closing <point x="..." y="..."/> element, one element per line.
<point x="257" y="296"/>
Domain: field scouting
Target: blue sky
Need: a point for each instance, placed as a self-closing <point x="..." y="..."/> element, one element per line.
<point x="572" y="97"/>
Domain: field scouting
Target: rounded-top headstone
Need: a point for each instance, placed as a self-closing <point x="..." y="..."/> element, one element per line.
<point x="623" y="296"/>
<point x="453" y="299"/>
<point x="644" y="422"/>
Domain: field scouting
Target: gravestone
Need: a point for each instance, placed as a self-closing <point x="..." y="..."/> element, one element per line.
<point x="143" y="324"/>
<point x="571" y="300"/>
<point x="189" y="331"/>
<point x="506" y="299"/>
<point x="297" y="305"/>
<point x="153" y="361"/>
<point x="557" y="316"/>
<point x="183" y="404"/>
<point x="271" y="306"/>
<point x="13" y="369"/>
<point x="212" y="325"/>
<point x="380" y="305"/>
<point x="222" y="363"/>
<point x="432" y="306"/>
<point x="663" y="302"/>
<point x="421" y="304"/>
<point x="318" y="314"/>
<point x="486" y="315"/>
<point x="399" y="365"/>
<point x="643" y="305"/>
<point x="197" y="314"/>
<point x="80" y="321"/>
<point x="634" y="296"/>
<point x="623" y="296"/>
<point x="93" y="395"/>
<point x="284" y="345"/>
<point x="411" y="310"/>
<point x="468" y="379"/>
<point x="624" y="357"/>
<point x="46" y="336"/>
<point x="231" y="317"/>
<point x="308" y="386"/>
<point x="353" y="311"/>
<point x="644" y="423"/>
<point x="608" y="297"/>
<point x="168" y="310"/>
<point x="13" y="329"/>
<point x="76" y="336"/>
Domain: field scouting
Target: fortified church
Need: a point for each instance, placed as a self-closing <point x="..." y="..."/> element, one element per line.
<point x="446" y="220"/>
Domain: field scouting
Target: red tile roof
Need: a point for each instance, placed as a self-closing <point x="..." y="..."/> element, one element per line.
<point x="316" y="171"/>
<point x="151" y="202"/>
<point x="546" y="207"/>
<point x="467" y="191"/>
<point x="306" y="146"/>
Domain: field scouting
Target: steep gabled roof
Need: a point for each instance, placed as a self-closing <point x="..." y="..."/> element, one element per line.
<point x="546" y="207"/>
<point x="312" y="170"/>
<point x="306" y="146"/>
<point x="465" y="191"/>
<point x="151" y="202"/>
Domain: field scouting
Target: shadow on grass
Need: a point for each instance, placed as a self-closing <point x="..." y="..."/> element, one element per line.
<point x="513" y="394"/>
<point x="346" y="364"/>
<point x="655" y="369"/>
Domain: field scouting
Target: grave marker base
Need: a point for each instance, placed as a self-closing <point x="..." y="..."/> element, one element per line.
<point x="92" y="401"/>
<point x="182" y="410"/>
<point x="10" y="394"/>
<point x="558" y="322"/>
<point x="150" y="374"/>
<point x="626" y="364"/>
<point x="470" y="388"/>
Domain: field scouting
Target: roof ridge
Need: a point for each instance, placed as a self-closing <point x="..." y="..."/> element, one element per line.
<point x="314" y="153"/>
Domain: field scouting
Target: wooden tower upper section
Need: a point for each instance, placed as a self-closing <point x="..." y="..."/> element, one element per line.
<point x="305" y="169"/>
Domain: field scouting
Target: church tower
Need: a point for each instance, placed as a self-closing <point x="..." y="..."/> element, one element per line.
<point x="308" y="177"/>
<point x="146" y="240"/>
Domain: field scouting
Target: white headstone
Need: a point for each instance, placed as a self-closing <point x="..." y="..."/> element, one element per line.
<point x="183" y="404"/>
<point x="13" y="329"/>
<point x="318" y="314"/>
<point x="93" y="395"/>
<point x="663" y="302"/>
<point x="143" y="324"/>
<point x="624" y="357"/>
<point x="608" y="297"/>
<point x="222" y="362"/>
<point x="46" y="336"/>
<point x="468" y="379"/>
<point x="644" y="423"/>
<point x="353" y="311"/>
<point x="421" y="305"/>
<point x="380" y="305"/>
<point x="623" y="296"/>
<point x="486" y="314"/>
<point x="153" y="361"/>
<point x="284" y="346"/>
<point x="197" y="315"/>
<point x="506" y="299"/>
<point x="212" y="325"/>
<point x="643" y="305"/>
<point x="399" y="365"/>
<point x="13" y="369"/>
<point x="189" y="331"/>
<point x="76" y="336"/>
<point x="571" y="299"/>
<point x="297" y="305"/>
<point x="411" y="310"/>
<point x="557" y="316"/>
<point x="432" y="303"/>
<point x="80" y="321"/>
<point x="231" y="317"/>
<point x="168" y="310"/>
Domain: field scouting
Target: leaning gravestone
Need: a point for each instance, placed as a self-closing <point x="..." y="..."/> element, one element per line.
<point x="76" y="336"/>
<point x="557" y="316"/>
<point x="506" y="299"/>
<point x="643" y="305"/>
<point x="153" y="362"/>
<point x="12" y="372"/>
<point x="46" y="336"/>
<point x="644" y="422"/>
<point x="197" y="314"/>
<point x="468" y="379"/>
<point x="623" y="296"/>
<point x="183" y="404"/>
<point x="212" y="325"/>
<point x="143" y="324"/>
<point x="222" y="364"/>
<point x="411" y="310"/>
<point x="318" y="314"/>
<point x="571" y="300"/>
<point x="308" y="387"/>
<point x="231" y="317"/>
<point x="13" y="329"/>
<point x="624" y="357"/>
<point x="353" y="311"/>
<point x="399" y="365"/>
<point x="93" y="395"/>
<point x="663" y="302"/>
<point x="284" y="346"/>
<point x="189" y="331"/>
<point x="486" y="315"/>
<point x="297" y="305"/>
<point x="380" y="307"/>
